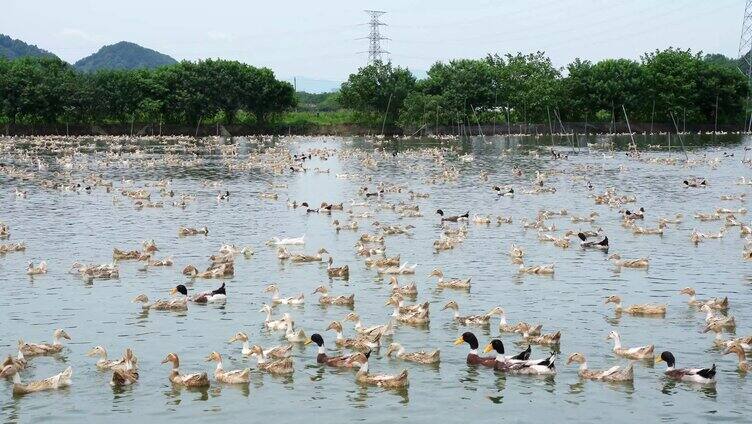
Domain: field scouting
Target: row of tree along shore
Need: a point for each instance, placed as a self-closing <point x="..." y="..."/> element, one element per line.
<point x="666" y="91"/>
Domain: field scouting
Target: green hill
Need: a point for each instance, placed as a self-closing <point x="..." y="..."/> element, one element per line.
<point x="123" y="55"/>
<point x="11" y="48"/>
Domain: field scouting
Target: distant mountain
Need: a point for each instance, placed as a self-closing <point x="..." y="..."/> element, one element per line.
<point x="123" y="55"/>
<point x="11" y="48"/>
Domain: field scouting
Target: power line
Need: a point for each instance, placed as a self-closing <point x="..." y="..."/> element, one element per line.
<point x="375" y="51"/>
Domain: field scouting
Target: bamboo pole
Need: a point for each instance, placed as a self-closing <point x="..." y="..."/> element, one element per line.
<point x="676" y="126"/>
<point x="383" y="123"/>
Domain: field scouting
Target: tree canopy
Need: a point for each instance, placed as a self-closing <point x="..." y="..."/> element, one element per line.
<point x="49" y="90"/>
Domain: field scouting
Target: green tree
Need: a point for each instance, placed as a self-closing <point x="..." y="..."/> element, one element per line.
<point x="376" y="88"/>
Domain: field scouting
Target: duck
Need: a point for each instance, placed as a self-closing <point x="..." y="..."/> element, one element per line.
<point x="188" y="231"/>
<point x="36" y="270"/>
<point x="278" y="352"/>
<point x="743" y="366"/>
<point x="537" y="269"/>
<point x="418" y="316"/>
<point x="713" y="303"/>
<point x="57" y="381"/>
<point x="598" y="245"/>
<point x="291" y="334"/>
<point x="693" y="375"/>
<point x="231" y="377"/>
<point x="397" y="300"/>
<point x="179" y="303"/>
<point x="520" y="363"/>
<point x="638" y="214"/>
<point x="214" y="296"/>
<point x="283" y="254"/>
<point x="347" y="361"/>
<point x="725" y="322"/>
<point x="223" y="196"/>
<point x="481" y="320"/>
<point x="629" y="263"/>
<point x="720" y="342"/>
<point x="453" y="218"/>
<point x="35" y="349"/>
<point x="504" y="326"/>
<point x="103" y="363"/>
<point x="278" y="366"/>
<point x="278" y="324"/>
<point x="199" y="379"/>
<point x="420" y="357"/>
<point x="451" y="283"/>
<point x="301" y="258"/>
<point x="643" y="309"/>
<point x="516" y="252"/>
<point x="640" y="352"/>
<point x="364" y="342"/>
<point x="11" y="365"/>
<point x="695" y="183"/>
<point x="326" y="299"/>
<point x="127" y="374"/>
<point x="338" y="272"/>
<point x="403" y="269"/>
<point x="297" y="241"/>
<point x="410" y="289"/>
<point x="613" y="374"/>
<point x="504" y="191"/>
<point x="472" y="356"/>
<point x="532" y="335"/>
<point x="384" y="329"/>
<point x="381" y="380"/>
<point x="294" y="300"/>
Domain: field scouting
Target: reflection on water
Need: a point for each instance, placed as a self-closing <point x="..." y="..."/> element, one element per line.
<point x="65" y="227"/>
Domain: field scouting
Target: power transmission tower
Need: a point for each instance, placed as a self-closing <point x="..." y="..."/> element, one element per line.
<point x="745" y="45"/>
<point x="375" y="51"/>
<point x="745" y="41"/>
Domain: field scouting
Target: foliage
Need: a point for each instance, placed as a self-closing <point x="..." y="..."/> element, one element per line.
<point x="377" y="89"/>
<point x="320" y="102"/>
<point x="49" y="90"/>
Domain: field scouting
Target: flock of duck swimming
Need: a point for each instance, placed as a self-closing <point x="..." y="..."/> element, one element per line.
<point x="51" y="163"/>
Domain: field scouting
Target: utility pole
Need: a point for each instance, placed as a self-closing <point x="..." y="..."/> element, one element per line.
<point x="375" y="52"/>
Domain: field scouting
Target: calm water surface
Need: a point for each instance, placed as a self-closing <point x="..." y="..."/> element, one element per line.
<point x="64" y="227"/>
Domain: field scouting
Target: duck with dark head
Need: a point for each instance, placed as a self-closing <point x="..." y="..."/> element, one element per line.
<point x="520" y="363"/>
<point x="472" y="357"/>
<point x="453" y="218"/>
<point x="349" y="361"/>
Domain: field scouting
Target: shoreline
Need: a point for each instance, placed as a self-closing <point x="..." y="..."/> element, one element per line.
<point x="499" y="129"/>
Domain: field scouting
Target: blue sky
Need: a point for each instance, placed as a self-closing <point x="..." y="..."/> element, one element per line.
<point x="319" y="39"/>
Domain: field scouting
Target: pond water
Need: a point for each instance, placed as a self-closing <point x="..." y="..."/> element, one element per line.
<point x="63" y="227"/>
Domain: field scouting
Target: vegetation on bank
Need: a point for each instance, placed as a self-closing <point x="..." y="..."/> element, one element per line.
<point x="529" y="89"/>
<point x="48" y="90"/>
<point x="521" y="88"/>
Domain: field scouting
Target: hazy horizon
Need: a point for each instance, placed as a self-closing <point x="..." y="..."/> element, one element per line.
<point x="320" y="42"/>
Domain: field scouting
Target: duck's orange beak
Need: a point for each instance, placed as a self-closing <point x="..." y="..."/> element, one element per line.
<point x="488" y="348"/>
<point x="459" y="341"/>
